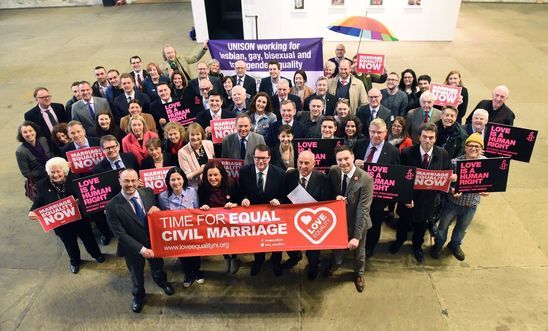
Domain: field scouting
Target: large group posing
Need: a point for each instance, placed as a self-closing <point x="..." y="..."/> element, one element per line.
<point x="124" y="115"/>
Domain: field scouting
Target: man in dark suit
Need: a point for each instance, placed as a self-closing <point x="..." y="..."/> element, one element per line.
<point x="317" y="185"/>
<point x="240" y="102"/>
<point x="115" y="87"/>
<point x="244" y="80"/>
<point x="420" y="210"/>
<point x="282" y="95"/>
<point x="269" y="84"/>
<point x="241" y="145"/>
<point x="480" y="117"/>
<point x="126" y="214"/>
<point x="375" y="150"/>
<point x="77" y="133"/>
<point x="137" y="72"/>
<point x="373" y="110"/>
<point x="113" y="158"/>
<point x="340" y="51"/>
<point x="262" y="183"/>
<point x="312" y="118"/>
<point x="203" y="73"/>
<point x="100" y="86"/>
<point x="355" y="187"/>
<point x="288" y="112"/>
<point x="46" y="114"/>
<point x="329" y="100"/>
<point x="425" y="114"/>
<point x="121" y="102"/>
<point x="496" y="108"/>
<point x="86" y="109"/>
<point x="215" y="102"/>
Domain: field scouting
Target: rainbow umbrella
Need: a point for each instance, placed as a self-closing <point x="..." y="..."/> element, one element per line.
<point x="363" y="27"/>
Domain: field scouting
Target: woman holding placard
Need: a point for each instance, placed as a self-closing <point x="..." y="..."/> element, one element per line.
<point x="218" y="190"/>
<point x="57" y="186"/>
<point x="179" y="195"/>
<point x="454" y="79"/>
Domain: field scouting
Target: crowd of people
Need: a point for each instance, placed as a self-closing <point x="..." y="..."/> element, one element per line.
<point x="124" y="114"/>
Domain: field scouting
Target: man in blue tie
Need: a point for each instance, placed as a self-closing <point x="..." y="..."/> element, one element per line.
<point x="126" y="214"/>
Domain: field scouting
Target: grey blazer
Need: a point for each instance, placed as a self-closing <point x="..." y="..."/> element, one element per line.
<point x="80" y="113"/>
<point x="415" y="120"/>
<point x="29" y="164"/>
<point x="359" y="195"/>
<point x="231" y="146"/>
<point x="125" y="225"/>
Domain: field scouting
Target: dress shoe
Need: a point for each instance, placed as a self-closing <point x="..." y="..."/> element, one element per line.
<point x="290" y="263"/>
<point x="457" y="252"/>
<point x="234" y="266"/>
<point x="228" y="261"/>
<point x="136" y="305"/>
<point x="74" y="268"/>
<point x="368" y="253"/>
<point x="435" y="251"/>
<point x="199" y="277"/>
<point x="256" y="268"/>
<point x="419" y="254"/>
<point x="395" y="247"/>
<point x="168" y="289"/>
<point x="277" y="268"/>
<point x="330" y="270"/>
<point x="312" y="272"/>
<point x="100" y="259"/>
<point x="360" y="283"/>
<point x="105" y="240"/>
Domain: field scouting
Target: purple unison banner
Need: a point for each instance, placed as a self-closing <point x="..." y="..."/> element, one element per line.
<point x="95" y="191"/>
<point x="293" y="54"/>
<point x="323" y="150"/>
<point x="506" y="140"/>
<point x="482" y="175"/>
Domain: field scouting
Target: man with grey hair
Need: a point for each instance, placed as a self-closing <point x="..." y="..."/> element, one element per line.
<point x="426" y="113"/>
<point x="480" y="117"/>
<point x="241" y="78"/>
<point x="329" y="69"/>
<point x="281" y="95"/>
<point x="240" y="100"/>
<point x="497" y="109"/>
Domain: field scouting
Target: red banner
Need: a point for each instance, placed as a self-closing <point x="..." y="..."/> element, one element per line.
<point x="445" y="94"/>
<point x="260" y="228"/>
<point x="58" y="213"/>
<point x="435" y="180"/>
<point x="155" y="178"/>
<point x="232" y="166"/>
<point x="370" y="64"/>
<point x="83" y="160"/>
<point x="222" y="128"/>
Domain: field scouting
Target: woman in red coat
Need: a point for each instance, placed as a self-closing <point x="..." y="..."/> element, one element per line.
<point x="137" y="137"/>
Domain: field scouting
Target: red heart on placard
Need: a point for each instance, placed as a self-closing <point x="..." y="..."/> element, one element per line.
<point x="315" y="224"/>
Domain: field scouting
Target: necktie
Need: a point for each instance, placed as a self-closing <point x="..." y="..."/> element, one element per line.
<point x="260" y="183"/>
<point x="239" y="81"/>
<point x="91" y="112"/>
<point x="425" y="117"/>
<point x="371" y="154"/>
<point x="425" y="161"/>
<point x="373" y="114"/>
<point x="51" y="118"/>
<point x="303" y="182"/>
<point x="118" y="165"/>
<point x="129" y="99"/>
<point x="344" y="184"/>
<point x="242" y="149"/>
<point x="139" y="211"/>
<point x="139" y="82"/>
<point x="343" y="82"/>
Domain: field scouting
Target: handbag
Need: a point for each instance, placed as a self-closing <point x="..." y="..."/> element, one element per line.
<point x="30" y="188"/>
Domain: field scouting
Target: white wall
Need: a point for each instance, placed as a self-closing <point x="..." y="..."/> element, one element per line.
<point x="435" y="20"/>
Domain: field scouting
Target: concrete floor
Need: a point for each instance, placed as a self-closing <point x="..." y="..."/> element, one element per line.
<point x="502" y="285"/>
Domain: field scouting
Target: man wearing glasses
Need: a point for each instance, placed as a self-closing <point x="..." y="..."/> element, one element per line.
<point x="373" y="110"/>
<point x="459" y="206"/>
<point x="113" y="159"/>
<point x="46" y="114"/>
<point x="392" y="97"/>
<point x="262" y="183"/>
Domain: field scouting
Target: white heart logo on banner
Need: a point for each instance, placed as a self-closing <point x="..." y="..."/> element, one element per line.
<point x="315" y="224"/>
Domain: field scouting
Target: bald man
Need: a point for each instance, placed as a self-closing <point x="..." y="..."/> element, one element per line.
<point x="340" y="51"/>
<point x="496" y="108"/>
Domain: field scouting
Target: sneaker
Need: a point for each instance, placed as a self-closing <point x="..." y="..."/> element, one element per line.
<point x="187" y="282"/>
<point x="457" y="252"/>
<point x="395" y="247"/>
<point x="199" y="277"/>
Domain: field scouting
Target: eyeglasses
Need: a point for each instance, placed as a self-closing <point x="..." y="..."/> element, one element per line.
<point x="110" y="147"/>
<point x="44" y="97"/>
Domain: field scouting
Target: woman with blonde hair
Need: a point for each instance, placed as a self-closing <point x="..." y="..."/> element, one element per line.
<point x="137" y="137"/>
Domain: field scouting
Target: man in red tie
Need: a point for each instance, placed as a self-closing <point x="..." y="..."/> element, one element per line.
<point x="420" y="209"/>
